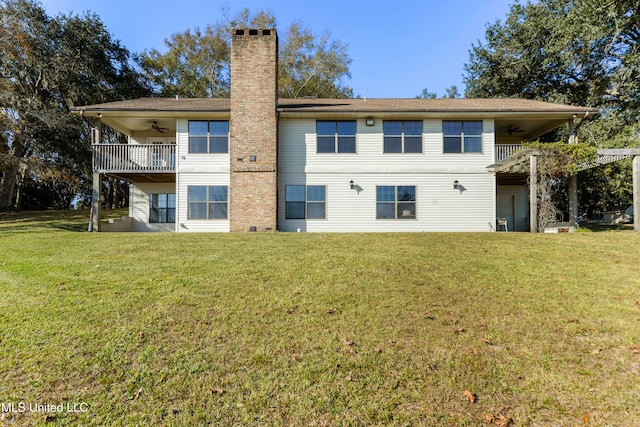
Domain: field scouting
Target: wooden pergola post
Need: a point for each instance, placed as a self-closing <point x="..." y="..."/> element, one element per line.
<point x="573" y="184"/>
<point x="96" y="202"/>
<point x="636" y="193"/>
<point x="533" y="193"/>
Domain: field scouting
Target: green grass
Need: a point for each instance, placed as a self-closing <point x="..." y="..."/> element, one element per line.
<point x="317" y="329"/>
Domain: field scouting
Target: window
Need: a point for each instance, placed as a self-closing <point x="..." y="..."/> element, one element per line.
<point x="305" y="201"/>
<point x="402" y="136"/>
<point x="162" y="208"/>
<point x="336" y="136"/>
<point x="208" y="136"/>
<point x="462" y="137"/>
<point x="207" y="202"/>
<point x="396" y="202"/>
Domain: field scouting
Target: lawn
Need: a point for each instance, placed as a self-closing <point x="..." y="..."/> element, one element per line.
<point x="316" y="329"/>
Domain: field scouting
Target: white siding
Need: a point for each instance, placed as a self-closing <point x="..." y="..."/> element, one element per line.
<point x="185" y="224"/>
<point x="197" y="169"/>
<point x="139" y="206"/>
<point x="190" y="163"/>
<point x="439" y="206"/>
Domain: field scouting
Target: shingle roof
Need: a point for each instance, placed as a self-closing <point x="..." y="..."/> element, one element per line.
<point x="162" y="104"/>
<point x="347" y="105"/>
<point x="428" y="105"/>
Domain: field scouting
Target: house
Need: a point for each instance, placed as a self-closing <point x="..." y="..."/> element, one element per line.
<point x="258" y="163"/>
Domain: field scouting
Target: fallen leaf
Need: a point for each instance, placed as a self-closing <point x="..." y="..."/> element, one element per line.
<point x="292" y="310"/>
<point x="348" y="342"/>
<point x="430" y="367"/>
<point x="331" y="310"/>
<point x="377" y="350"/>
<point x="638" y="302"/>
<point x="350" y="377"/>
<point x="596" y="351"/>
<point x="459" y="330"/>
<point x="471" y="398"/>
<point x="486" y="341"/>
<point x="585" y="418"/>
<point x="489" y="418"/>
<point x="140" y="335"/>
<point x="572" y="320"/>
<point x="217" y="390"/>
<point x="502" y="421"/>
<point x="635" y="349"/>
<point x="392" y="342"/>
<point x="428" y="316"/>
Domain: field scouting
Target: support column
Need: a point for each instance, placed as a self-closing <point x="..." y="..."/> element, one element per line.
<point x="573" y="200"/>
<point x="533" y="193"/>
<point x="573" y="183"/>
<point x="636" y="193"/>
<point x="96" y="202"/>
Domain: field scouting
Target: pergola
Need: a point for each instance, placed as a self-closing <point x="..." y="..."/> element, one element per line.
<point x="525" y="161"/>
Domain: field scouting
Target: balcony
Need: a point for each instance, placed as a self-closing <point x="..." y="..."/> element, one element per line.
<point x="505" y="150"/>
<point x="136" y="162"/>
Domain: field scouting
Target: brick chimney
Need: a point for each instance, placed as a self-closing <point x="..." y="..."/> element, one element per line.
<point x="253" y="130"/>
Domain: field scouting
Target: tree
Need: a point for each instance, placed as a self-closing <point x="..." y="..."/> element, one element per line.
<point x="196" y="63"/>
<point x="46" y="66"/>
<point x="425" y="94"/>
<point x="580" y="52"/>
<point x="555" y="162"/>
<point x="451" y="92"/>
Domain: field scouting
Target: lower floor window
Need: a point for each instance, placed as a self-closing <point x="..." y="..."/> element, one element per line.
<point x="162" y="208"/>
<point x="207" y="202"/>
<point x="305" y="201"/>
<point x="395" y="202"/>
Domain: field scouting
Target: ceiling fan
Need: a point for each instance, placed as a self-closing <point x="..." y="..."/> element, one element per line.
<point x="155" y="126"/>
<point x="513" y="129"/>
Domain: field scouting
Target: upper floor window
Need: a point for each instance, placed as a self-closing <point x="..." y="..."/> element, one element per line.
<point x="336" y="136"/>
<point x="162" y="208"/>
<point x="305" y="201"/>
<point x="396" y="202"/>
<point x="402" y="136"/>
<point x="207" y="202"/>
<point x="208" y="136"/>
<point x="462" y="136"/>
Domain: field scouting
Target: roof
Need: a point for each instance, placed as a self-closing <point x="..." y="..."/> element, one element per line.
<point x="161" y="104"/>
<point x="530" y="118"/>
<point x="497" y="105"/>
<point x="428" y="105"/>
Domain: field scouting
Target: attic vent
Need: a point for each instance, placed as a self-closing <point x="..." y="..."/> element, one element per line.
<point x="239" y="32"/>
<point x="266" y="32"/>
<point x="253" y="32"/>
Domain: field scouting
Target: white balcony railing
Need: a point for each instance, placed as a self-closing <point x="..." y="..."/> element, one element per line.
<point x="134" y="157"/>
<point x="505" y="150"/>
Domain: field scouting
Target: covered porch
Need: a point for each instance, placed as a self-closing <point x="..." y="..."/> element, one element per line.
<point x="522" y="167"/>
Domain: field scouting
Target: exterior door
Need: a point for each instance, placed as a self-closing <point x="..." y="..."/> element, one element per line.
<point x="505" y="208"/>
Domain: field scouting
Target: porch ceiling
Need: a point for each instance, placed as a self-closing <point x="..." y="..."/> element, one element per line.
<point x="144" y="177"/>
<point x="525" y="129"/>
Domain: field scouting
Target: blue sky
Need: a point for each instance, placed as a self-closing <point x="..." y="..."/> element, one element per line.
<point x="398" y="48"/>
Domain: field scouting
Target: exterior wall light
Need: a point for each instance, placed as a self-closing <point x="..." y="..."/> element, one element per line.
<point x="369" y="121"/>
<point x="456" y="184"/>
<point x="352" y="185"/>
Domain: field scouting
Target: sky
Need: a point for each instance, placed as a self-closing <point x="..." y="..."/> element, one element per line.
<point x="398" y="48"/>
